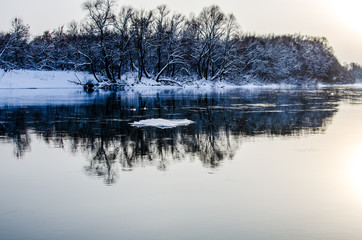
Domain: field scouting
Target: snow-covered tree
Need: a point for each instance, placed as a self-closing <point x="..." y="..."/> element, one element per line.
<point x="13" y="45"/>
<point x="163" y="45"/>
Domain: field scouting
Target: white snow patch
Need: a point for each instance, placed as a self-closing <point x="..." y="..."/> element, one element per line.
<point x="41" y="97"/>
<point x="162" y="123"/>
<point x="29" y="79"/>
<point x="17" y="79"/>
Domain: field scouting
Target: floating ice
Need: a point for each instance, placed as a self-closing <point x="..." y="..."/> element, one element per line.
<point x="162" y="123"/>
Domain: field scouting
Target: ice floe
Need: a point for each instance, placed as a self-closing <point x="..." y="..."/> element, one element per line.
<point x="162" y="123"/>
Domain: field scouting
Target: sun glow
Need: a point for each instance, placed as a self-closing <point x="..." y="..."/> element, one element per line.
<point x="349" y="12"/>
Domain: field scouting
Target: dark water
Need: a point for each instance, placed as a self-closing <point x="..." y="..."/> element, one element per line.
<point x="255" y="164"/>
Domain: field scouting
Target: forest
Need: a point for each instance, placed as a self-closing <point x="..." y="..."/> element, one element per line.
<point x="167" y="46"/>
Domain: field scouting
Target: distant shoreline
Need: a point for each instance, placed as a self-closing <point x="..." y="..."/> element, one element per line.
<point x="114" y="44"/>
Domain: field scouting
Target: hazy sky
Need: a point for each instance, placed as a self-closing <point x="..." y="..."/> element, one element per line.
<point x="338" y="20"/>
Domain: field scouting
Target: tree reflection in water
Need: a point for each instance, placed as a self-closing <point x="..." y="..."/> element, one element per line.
<point x="101" y="130"/>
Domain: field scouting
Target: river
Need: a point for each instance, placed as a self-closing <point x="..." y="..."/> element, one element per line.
<point x="254" y="164"/>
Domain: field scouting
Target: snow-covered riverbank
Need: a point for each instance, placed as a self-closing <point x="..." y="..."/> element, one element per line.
<point x="20" y="79"/>
<point x="27" y="79"/>
<point x="30" y="79"/>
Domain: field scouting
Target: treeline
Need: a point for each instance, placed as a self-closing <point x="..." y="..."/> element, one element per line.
<point x="356" y="70"/>
<point x="163" y="45"/>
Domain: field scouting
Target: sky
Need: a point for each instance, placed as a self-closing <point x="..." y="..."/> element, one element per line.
<point x="337" y="20"/>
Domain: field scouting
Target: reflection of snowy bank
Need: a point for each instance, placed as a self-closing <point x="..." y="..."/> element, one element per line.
<point x="162" y="123"/>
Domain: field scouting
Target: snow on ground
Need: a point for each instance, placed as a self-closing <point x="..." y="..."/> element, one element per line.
<point x="42" y="79"/>
<point x="162" y="123"/>
<point x="30" y="79"/>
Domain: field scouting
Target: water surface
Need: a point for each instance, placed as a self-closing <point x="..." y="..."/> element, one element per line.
<point x="255" y="164"/>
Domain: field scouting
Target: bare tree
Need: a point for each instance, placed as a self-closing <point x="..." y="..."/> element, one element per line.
<point x="142" y="30"/>
<point x="100" y="20"/>
<point x="168" y="41"/>
<point x="227" y="60"/>
<point x="209" y="31"/>
<point x="124" y="36"/>
<point x="161" y="25"/>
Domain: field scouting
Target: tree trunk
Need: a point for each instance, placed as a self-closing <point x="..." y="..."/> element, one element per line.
<point x="159" y="59"/>
<point x="120" y="68"/>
